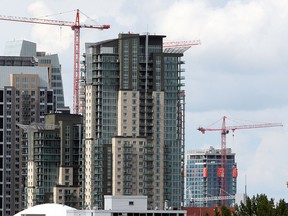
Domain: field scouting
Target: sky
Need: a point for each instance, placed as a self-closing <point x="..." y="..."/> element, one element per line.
<point x="238" y="71"/>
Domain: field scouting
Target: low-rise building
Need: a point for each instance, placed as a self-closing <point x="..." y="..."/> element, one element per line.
<point x="114" y="206"/>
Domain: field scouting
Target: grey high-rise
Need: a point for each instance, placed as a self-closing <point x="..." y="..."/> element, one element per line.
<point x="26" y="95"/>
<point x="52" y="158"/>
<point x="24" y="48"/>
<point x="24" y="98"/>
<point x="134" y="102"/>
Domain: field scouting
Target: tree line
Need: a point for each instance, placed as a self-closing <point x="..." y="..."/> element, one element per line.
<point x="258" y="205"/>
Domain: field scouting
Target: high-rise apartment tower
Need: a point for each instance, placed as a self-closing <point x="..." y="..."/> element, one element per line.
<point x="26" y="95"/>
<point x="52" y="154"/>
<point x="134" y="103"/>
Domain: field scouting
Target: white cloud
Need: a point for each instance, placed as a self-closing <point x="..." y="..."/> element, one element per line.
<point x="241" y="31"/>
<point x="239" y="70"/>
<point x="54" y="39"/>
<point x="268" y="166"/>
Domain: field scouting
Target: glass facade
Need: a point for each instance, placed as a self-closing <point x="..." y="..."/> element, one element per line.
<point x="203" y="184"/>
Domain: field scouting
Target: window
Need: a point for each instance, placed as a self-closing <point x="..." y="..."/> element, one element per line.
<point x="131" y="203"/>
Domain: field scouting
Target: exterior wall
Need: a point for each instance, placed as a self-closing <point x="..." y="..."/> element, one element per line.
<point x="55" y="77"/>
<point x="128" y="213"/>
<point x="200" y="185"/>
<point x="128" y="123"/>
<point x="66" y="195"/>
<point x="24" y="104"/>
<point x="136" y="99"/>
<point x="6" y="71"/>
<point x="107" y="166"/>
<point x="31" y="182"/>
<point x="27" y="49"/>
<point x="129" y="166"/>
<point x="20" y="48"/>
<point x="88" y="150"/>
<point x="65" y="176"/>
<point x="126" y="203"/>
<point x="53" y="157"/>
<point x="26" y="98"/>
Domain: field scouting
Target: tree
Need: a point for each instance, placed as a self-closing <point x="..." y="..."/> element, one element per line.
<point x="281" y="208"/>
<point x="260" y="205"/>
<point x="225" y="211"/>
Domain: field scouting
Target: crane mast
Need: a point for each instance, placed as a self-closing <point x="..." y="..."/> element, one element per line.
<point x="224" y="131"/>
<point x="75" y="26"/>
<point x="223" y="158"/>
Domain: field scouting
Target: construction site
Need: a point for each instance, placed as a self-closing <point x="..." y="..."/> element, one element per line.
<point x="211" y="175"/>
<point x="129" y="97"/>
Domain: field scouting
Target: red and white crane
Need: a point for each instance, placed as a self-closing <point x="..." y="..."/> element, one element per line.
<point x="179" y="46"/>
<point x="225" y="130"/>
<point x="75" y="26"/>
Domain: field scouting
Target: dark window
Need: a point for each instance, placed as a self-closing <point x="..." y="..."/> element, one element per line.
<point x="49" y="97"/>
<point x="1" y="96"/>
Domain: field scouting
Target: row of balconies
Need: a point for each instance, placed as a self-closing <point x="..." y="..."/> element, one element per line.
<point x="144" y="83"/>
<point x="143" y="124"/>
<point x="147" y="97"/>
<point x="148" y="166"/>
<point x="148" y="116"/>
<point x="148" y="110"/>
<point x="143" y="68"/>
<point x="142" y="60"/>
<point x="147" y="103"/>
<point x="148" y="186"/>
<point x="149" y="151"/>
<point x="148" y="158"/>
<point x="148" y="178"/>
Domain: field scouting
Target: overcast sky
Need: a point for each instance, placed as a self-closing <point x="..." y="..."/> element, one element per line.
<point x="239" y="70"/>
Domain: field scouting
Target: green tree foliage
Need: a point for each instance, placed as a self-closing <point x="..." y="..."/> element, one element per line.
<point x="225" y="211"/>
<point x="260" y="205"/>
<point x="282" y="208"/>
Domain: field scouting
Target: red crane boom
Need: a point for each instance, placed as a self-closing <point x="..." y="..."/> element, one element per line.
<point x="75" y="26"/>
<point x="225" y="130"/>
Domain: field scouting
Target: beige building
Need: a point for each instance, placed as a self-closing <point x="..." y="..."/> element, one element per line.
<point x="53" y="158"/>
<point x="134" y="105"/>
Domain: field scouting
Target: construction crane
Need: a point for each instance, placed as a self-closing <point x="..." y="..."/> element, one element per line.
<point x="179" y="46"/>
<point x="75" y="26"/>
<point x="225" y="130"/>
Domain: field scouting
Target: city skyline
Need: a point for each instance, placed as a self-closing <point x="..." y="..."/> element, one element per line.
<point x="237" y="71"/>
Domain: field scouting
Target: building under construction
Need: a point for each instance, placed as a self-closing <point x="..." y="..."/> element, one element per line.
<point x="204" y="175"/>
